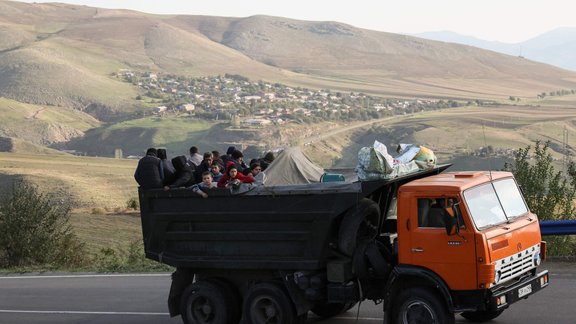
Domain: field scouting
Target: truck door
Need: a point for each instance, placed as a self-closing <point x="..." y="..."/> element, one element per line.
<point x="452" y="257"/>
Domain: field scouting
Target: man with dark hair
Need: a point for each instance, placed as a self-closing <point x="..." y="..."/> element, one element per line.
<point x="216" y="158"/>
<point x="149" y="173"/>
<point x="184" y="175"/>
<point x="238" y="159"/>
<point x="205" y="166"/>
<point x="266" y="160"/>
<point x="195" y="158"/>
<point x="228" y="156"/>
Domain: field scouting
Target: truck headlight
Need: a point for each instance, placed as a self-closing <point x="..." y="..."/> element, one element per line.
<point x="497" y="276"/>
<point x="536" y="258"/>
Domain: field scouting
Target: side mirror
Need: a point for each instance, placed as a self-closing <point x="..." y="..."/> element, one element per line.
<point x="451" y="220"/>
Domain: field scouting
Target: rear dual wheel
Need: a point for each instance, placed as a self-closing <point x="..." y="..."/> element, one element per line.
<point x="268" y="303"/>
<point x="211" y="301"/>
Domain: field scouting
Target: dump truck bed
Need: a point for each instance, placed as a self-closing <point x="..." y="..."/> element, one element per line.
<point x="281" y="228"/>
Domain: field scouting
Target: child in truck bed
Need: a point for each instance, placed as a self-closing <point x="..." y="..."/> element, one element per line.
<point x="207" y="183"/>
<point x="232" y="178"/>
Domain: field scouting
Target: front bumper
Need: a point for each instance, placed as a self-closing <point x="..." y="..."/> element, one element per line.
<point x="502" y="297"/>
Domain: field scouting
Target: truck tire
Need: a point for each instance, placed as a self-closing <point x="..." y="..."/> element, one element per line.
<point x="203" y="302"/>
<point x="327" y="310"/>
<point x="359" y="224"/>
<point x="268" y="302"/>
<point x="232" y="298"/>
<point x="420" y="305"/>
<point x="481" y="316"/>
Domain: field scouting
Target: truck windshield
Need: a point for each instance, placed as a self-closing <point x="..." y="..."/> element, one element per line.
<point x="495" y="203"/>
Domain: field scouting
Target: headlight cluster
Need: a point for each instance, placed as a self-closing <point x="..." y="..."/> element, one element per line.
<point x="497" y="277"/>
<point x="536" y="259"/>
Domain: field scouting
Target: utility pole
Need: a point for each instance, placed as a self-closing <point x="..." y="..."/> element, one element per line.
<point x="566" y="156"/>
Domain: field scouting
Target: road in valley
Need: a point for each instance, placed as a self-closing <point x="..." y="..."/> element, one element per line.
<point x="141" y="298"/>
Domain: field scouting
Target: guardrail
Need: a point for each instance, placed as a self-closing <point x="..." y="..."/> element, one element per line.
<point x="563" y="227"/>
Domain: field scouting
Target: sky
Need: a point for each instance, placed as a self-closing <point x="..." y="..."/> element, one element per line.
<point x="509" y="21"/>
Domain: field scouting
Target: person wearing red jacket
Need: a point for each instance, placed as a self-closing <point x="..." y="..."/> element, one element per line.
<point x="232" y="178"/>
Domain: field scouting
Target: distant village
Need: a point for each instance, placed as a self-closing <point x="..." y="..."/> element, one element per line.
<point x="249" y="103"/>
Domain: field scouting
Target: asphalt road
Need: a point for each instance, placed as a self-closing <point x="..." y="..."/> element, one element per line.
<point x="141" y="298"/>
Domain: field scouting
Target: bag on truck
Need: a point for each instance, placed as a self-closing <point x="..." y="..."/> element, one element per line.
<point x="376" y="163"/>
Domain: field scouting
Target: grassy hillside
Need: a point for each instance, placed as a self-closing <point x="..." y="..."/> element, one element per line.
<point x="42" y="125"/>
<point x="89" y="182"/>
<point x="135" y="136"/>
<point x="453" y="133"/>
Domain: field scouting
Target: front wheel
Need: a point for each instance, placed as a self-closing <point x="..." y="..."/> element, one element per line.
<point x="481" y="316"/>
<point x="418" y="306"/>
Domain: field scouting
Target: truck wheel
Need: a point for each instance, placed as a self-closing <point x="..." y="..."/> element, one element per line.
<point x="203" y="302"/>
<point x="418" y="305"/>
<point x="268" y="303"/>
<point x="326" y="310"/>
<point x="359" y="224"/>
<point x="481" y="316"/>
<point x="232" y="298"/>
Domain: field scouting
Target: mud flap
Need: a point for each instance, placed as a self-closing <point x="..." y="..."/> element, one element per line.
<point x="180" y="280"/>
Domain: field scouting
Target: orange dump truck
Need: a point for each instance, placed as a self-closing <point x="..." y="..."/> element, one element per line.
<point x="430" y="245"/>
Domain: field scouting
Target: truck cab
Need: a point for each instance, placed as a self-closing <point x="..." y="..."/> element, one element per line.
<point x="473" y="236"/>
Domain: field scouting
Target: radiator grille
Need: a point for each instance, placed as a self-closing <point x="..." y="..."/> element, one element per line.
<point x="517" y="264"/>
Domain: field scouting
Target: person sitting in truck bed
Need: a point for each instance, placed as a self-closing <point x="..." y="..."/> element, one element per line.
<point x="166" y="164"/>
<point x="206" y="165"/>
<point x="216" y="174"/>
<point x="266" y="160"/>
<point x="232" y="178"/>
<point x="238" y="159"/>
<point x="257" y="174"/>
<point x="206" y="184"/>
<point x="149" y="172"/>
<point x="184" y="175"/>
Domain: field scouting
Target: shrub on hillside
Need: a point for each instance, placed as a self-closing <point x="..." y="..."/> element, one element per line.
<point x="127" y="259"/>
<point x="550" y="194"/>
<point x="133" y="203"/>
<point x="35" y="229"/>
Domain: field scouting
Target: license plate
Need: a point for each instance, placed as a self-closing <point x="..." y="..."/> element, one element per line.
<point x="524" y="291"/>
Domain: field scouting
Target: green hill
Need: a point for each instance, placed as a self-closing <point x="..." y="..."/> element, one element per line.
<point x="42" y="125"/>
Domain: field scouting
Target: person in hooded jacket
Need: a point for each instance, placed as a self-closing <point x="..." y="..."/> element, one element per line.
<point x="233" y="178"/>
<point x="184" y="175"/>
<point x="266" y="160"/>
<point x="228" y="156"/>
<point x="167" y="166"/>
<point x="149" y="173"/>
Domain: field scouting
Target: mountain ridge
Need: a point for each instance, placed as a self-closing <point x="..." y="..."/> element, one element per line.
<point x="94" y="42"/>
<point x="556" y="47"/>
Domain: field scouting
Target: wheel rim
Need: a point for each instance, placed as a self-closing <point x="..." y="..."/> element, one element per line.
<point x="266" y="310"/>
<point x="418" y="312"/>
<point x="202" y="310"/>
